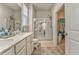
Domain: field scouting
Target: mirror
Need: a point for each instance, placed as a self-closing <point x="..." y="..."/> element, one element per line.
<point x="10" y="19"/>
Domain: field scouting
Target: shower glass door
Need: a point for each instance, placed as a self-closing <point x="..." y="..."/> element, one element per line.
<point x="43" y="29"/>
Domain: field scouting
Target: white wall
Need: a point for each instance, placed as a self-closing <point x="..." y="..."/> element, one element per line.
<point x="5" y="13"/>
<point x="54" y="21"/>
<point x="32" y="14"/>
<point x="30" y="18"/>
<point x="24" y="15"/>
<point x="42" y="14"/>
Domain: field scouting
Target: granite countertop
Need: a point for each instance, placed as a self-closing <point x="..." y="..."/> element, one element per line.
<point x="9" y="42"/>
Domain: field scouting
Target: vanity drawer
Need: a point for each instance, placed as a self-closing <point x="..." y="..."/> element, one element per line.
<point x="9" y="51"/>
<point x="20" y="46"/>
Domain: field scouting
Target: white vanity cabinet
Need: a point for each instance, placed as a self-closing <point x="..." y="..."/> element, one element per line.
<point x="31" y="39"/>
<point x="29" y="45"/>
<point x="9" y="51"/>
<point x="20" y="47"/>
<point x="22" y="52"/>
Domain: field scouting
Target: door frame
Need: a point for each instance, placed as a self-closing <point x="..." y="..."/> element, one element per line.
<point x="62" y="6"/>
<point x="44" y="21"/>
<point x="66" y="33"/>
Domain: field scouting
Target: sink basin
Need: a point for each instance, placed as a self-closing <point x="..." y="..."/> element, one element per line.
<point x="6" y="36"/>
<point x="5" y="41"/>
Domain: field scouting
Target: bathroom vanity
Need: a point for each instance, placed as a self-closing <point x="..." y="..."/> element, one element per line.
<point x="20" y="44"/>
<point x="14" y="20"/>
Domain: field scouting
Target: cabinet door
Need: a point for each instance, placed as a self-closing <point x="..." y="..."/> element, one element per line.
<point x="31" y="39"/>
<point x="28" y="46"/>
<point x="22" y="52"/>
<point x="9" y="51"/>
<point x="20" y="46"/>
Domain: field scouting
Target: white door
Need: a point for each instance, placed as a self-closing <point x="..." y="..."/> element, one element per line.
<point x="72" y="28"/>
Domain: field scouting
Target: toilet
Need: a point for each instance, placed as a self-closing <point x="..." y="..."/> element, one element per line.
<point x="36" y="43"/>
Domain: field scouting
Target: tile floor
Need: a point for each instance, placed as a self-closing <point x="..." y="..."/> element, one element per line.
<point x="46" y="48"/>
<point x="62" y="45"/>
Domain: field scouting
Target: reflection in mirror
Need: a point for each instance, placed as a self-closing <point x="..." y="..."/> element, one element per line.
<point x="10" y="19"/>
<point x="25" y="20"/>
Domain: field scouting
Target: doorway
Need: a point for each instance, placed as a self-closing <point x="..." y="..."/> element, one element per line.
<point x="43" y="29"/>
<point x="61" y="29"/>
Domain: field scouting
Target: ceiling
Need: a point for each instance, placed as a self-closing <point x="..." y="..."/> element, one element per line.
<point x="43" y="6"/>
<point x="37" y="6"/>
<point x="13" y="6"/>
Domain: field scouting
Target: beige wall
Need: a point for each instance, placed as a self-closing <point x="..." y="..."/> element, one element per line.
<point x="32" y="15"/>
<point x="43" y="13"/>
